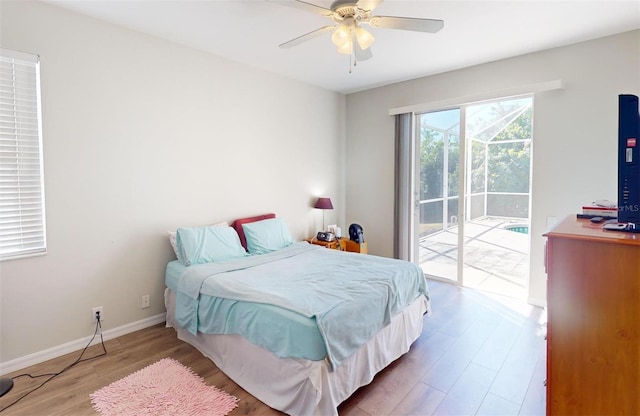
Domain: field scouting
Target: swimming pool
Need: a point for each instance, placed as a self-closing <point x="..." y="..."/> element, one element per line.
<point x="518" y="228"/>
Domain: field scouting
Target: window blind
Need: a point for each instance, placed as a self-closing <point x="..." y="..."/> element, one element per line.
<point x="22" y="210"/>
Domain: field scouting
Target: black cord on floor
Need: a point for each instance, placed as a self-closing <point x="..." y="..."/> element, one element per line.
<point x="53" y="375"/>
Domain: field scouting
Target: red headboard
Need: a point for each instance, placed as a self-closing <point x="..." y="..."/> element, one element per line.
<point x="237" y="224"/>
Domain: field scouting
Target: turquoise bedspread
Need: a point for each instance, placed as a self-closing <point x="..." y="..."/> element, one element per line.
<point x="285" y="333"/>
<point x="351" y="296"/>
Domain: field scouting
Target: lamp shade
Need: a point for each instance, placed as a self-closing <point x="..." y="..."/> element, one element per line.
<point x="341" y="35"/>
<point x="365" y="39"/>
<point x="346" y="48"/>
<point x="323" y="203"/>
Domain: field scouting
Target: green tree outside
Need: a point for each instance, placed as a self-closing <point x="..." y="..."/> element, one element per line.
<point x="508" y="162"/>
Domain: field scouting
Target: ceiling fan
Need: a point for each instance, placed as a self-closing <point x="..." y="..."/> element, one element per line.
<point x="348" y="17"/>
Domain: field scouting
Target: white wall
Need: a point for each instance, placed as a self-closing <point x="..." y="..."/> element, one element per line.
<point x="142" y="136"/>
<point x="575" y="134"/>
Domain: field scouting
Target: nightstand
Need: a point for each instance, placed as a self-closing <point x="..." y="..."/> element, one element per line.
<point x="328" y="244"/>
<point x="352" y="246"/>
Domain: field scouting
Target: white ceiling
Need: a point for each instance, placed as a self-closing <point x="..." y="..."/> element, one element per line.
<point x="249" y="31"/>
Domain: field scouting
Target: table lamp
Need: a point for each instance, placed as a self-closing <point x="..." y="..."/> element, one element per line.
<point x="323" y="204"/>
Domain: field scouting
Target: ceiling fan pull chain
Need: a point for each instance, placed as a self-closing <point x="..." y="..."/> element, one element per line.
<point x="353" y="47"/>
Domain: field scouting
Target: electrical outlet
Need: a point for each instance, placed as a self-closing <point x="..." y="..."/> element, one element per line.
<point x="145" y="302"/>
<point x="96" y="310"/>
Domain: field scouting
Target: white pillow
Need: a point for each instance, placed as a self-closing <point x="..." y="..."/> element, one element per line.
<point x="174" y="243"/>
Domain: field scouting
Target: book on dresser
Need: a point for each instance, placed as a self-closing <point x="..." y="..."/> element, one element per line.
<point x="605" y="212"/>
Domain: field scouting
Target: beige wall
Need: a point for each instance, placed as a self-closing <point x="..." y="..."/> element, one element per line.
<point x="142" y="136"/>
<point x="575" y="133"/>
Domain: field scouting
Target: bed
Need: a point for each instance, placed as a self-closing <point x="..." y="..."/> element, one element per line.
<point x="298" y="326"/>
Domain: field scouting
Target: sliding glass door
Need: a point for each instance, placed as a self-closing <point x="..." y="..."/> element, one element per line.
<point x="438" y="170"/>
<point x="480" y="240"/>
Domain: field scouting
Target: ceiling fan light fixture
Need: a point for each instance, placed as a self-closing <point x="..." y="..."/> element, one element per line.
<point x="341" y="35"/>
<point x="364" y="38"/>
<point x="346" y="48"/>
<point x="347" y="16"/>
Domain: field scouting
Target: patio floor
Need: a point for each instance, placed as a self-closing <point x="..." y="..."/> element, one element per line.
<point x="496" y="260"/>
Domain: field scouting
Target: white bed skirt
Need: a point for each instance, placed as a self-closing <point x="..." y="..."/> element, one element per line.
<point x="302" y="387"/>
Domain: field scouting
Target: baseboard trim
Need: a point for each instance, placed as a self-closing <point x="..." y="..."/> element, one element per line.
<point x="77" y="345"/>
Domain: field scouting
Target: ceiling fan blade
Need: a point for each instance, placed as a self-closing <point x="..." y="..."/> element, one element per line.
<point x="307" y="36"/>
<point x="302" y="5"/>
<point x="368" y="5"/>
<point x="362" y="54"/>
<point x="407" y="23"/>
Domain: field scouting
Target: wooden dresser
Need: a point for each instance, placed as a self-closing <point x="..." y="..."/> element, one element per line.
<point x="593" y="328"/>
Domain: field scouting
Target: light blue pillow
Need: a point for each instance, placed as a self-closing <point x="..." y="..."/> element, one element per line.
<point x="267" y="235"/>
<point x="208" y="244"/>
